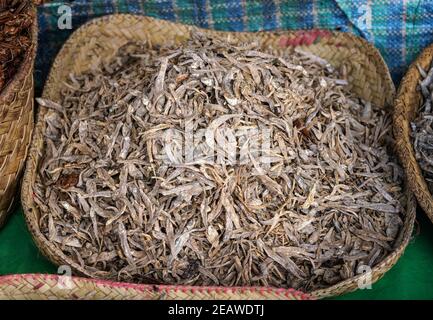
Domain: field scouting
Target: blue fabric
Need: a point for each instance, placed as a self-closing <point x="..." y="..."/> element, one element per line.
<point x="400" y="29"/>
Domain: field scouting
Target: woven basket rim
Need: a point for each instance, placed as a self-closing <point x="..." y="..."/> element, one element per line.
<point x="16" y="108"/>
<point x="369" y="46"/>
<point x="402" y="129"/>
<point x="25" y="65"/>
<point x="16" y="279"/>
<point x="373" y="55"/>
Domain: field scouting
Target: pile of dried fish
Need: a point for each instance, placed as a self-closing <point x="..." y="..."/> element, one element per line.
<point x="422" y="128"/>
<point x="15" y="36"/>
<point x="314" y="200"/>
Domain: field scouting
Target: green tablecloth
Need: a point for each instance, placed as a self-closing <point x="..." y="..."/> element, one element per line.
<point x="410" y="278"/>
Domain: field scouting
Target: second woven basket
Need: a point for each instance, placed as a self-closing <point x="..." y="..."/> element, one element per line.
<point x="407" y="104"/>
<point x="98" y="41"/>
<point x="16" y="124"/>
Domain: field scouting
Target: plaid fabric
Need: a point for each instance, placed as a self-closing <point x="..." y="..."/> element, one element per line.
<point x="400" y="29"/>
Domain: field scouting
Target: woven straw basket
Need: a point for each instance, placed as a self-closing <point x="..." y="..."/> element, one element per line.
<point x="407" y="103"/>
<point x="99" y="39"/>
<point x="40" y="286"/>
<point x="16" y="124"/>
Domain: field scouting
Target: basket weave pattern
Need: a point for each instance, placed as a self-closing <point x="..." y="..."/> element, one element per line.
<point x="98" y="41"/>
<point x="407" y="103"/>
<point x="39" y="286"/>
<point x="16" y="124"/>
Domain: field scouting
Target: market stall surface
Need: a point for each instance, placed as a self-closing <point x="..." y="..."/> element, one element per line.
<point x="410" y="278"/>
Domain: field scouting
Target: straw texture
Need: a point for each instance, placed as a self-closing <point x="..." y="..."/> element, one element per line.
<point x="407" y="103"/>
<point x="16" y="124"/>
<point x="98" y="40"/>
<point x="50" y="287"/>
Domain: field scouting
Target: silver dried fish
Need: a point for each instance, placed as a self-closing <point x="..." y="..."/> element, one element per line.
<point x="313" y="194"/>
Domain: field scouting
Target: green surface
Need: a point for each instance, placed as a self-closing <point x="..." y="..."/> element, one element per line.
<point x="410" y="278"/>
<point x="18" y="253"/>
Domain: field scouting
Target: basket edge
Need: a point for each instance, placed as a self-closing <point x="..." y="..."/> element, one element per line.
<point x="26" y="67"/>
<point x="401" y="128"/>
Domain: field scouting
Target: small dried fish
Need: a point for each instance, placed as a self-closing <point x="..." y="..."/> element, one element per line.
<point x="312" y="196"/>
<point x="16" y="19"/>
